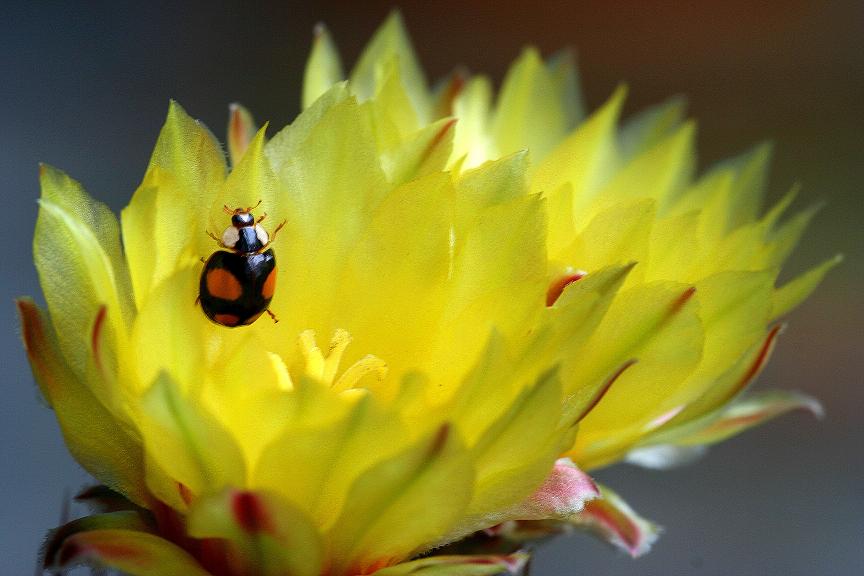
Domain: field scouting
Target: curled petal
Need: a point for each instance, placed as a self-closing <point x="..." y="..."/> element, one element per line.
<point x="134" y="553"/>
<point x="510" y="564"/>
<point x="747" y="412"/>
<point x="612" y="519"/>
<point x="123" y="520"/>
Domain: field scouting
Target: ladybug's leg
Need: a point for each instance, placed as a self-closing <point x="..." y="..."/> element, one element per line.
<point x="272" y="316"/>
<point x="216" y="238"/>
<point x="272" y="237"/>
<point x="260" y="218"/>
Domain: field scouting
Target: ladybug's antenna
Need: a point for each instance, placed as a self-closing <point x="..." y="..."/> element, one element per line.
<point x="239" y="209"/>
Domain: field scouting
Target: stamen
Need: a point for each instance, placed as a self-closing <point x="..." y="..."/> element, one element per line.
<point x="326" y="368"/>
<point x="368" y="365"/>
<point x="283" y="377"/>
<point x="338" y="344"/>
<point x="312" y="354"/>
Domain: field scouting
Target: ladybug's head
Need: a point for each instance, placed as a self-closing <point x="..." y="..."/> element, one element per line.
<point x="241" y="219"/>
<point x="244" y="234"/>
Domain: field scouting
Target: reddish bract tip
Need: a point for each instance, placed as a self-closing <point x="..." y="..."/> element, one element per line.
<point x="679" y="302"/>
<point x="454" y="87"/>
<point x="617" y="524"/>
<point x="762" y="357"/>
<point x="250" y="513"/>
<point x="605" y="388"/>
<point x="185" y="493"/>
<point x="439" y="137"/>
<point x="557" y="287"/>
<point x="96" y="336"/>
<point x="440" y="440"/>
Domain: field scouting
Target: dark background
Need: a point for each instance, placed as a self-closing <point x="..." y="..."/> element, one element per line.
<point x="85" y="87"/>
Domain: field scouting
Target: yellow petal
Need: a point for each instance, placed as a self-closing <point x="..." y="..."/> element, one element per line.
<point x="179" y="351"/>
<point x="189" y="444"/>
<point x="617" y="235"/>
<point x="565" y="79"/>
<point x="648" y="128"/>
<point x="164" y="225"/>
<point x="584" y="161"/>
<point x="389" y="262"/>
<point x="749" y="187"/>
<point x="323" y="68"/>
<point x="472" y="107"/>
<point x="330" y="180"/>
<point x="530" y="113"/>
<point x="391" y="40"/>
<point x="424" y="152"/>
<point x="516" y="452"/>
<point x="658" y="325"/>
<point x="336" y="439"/>
<point x="394" y="113"/>
<point x="409" y="499"/>
<point x="661" y="172"/>
<point x="99" y="442"/>
<point x="135" y="553"/>
<point x="791" y="294"/>
<point x="745" y="413"/>
<point x="251" y="184"/>
<point x="74" y="248"/>
<point x="267" y="535"/>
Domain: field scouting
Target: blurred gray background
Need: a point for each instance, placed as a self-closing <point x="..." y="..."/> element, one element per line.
<point x="85" y="87"/>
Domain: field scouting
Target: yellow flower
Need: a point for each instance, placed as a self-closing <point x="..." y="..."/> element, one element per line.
<point x="460" y="304"/>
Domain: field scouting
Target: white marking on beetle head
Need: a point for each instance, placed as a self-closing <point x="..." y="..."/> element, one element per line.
<point x="230" y="237"/>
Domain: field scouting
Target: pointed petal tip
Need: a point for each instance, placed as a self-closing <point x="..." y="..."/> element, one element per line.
<point x="614" y="521"/>
<point x="682" y="300"/>
<point x="619" y="95"/>
<point x="808" y="404"/>
<point x="598" y="396"/>
<point x="319" y="31"/>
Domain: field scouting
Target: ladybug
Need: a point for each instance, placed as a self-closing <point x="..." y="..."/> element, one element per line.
<point x="237" y="283"/>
